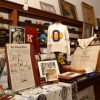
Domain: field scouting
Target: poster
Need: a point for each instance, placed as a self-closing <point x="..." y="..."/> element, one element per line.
<point x="20" y="66"/>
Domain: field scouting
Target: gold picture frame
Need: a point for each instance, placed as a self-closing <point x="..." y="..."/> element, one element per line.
<point x="47" y="7"/>
<point x="88" y="14"/>
<point x="68" y="10"/>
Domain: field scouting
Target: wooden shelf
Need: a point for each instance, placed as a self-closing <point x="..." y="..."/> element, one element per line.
<point x="36" y="13"/>
<point x="5" y="21"/>
<point x="34" y="25"/>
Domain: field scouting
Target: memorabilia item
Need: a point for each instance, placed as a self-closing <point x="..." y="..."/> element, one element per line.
<point x="4" y="37"/>
<point x="80" y="56"/>
<point x="61" y="58"/>
<point x="19" y="62"/>
<point x="45" y="56"/>
<point x="88" y="14"/>
<point x="43" y="65"/>
<point x="68" y="10"/>
<point x="69" y="75"/>
<point x="31" y="37"/>
<point x="47" y="7"/>
<point x="51" y="74"/>
<point x="17" y="35"/>
<point x="58" y="36"/>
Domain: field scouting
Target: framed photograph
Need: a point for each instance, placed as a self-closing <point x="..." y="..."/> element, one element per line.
<point x="87" y="30"/>
<point x="47" y="7"/>
<point x="51" y="74"/>
<point x="17" y="35"/>
<point x="88" y="14"/>
<point x="43" y="65"/>
<point x="68" y="10"/>
<point x="20" y="66"/>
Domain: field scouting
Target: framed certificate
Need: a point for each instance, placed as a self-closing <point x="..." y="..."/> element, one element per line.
<point x="20" y="66"/>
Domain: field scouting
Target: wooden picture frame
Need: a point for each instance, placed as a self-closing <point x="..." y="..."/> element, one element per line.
<point x="88" y="14"/>
<point x="42" y="65"/>
<point x="22" y="67"/>
<point x="47" y="7"/>
<point x="87" y="30"/>
<point x="68" y="10"/>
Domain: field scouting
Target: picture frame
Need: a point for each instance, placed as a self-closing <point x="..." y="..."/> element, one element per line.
<point x="68" y="10"/>
<point x="16" y="35"/>
<point x="47" y="7"/>
<point x="22" y="66"/>
<point x="87" y="30"/>
<point x="88" y="14"/>
<point x="42" y="65"/>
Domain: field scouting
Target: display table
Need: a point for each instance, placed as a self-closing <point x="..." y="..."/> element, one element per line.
<point x="58" y="91"/>
<point x="85" y="83"/>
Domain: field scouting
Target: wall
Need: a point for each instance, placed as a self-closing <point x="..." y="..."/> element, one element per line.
<point x="77" y="3"/>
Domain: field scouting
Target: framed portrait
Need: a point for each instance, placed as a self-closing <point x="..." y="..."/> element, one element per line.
<point x="68" y="10"/>
<point x="44" y="65"/>
<point x="87" y="30"/>
<point x="47" y="7"/>
<point x="21" y="66"/>
<point x="16" y="35"/>
<point x="88" y="14"/>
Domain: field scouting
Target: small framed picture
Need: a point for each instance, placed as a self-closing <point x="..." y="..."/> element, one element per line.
<point x="88" y="14"/>
<point x="51" y="74"/>
<point x="44" y="65"/>
<point x="47" y="7"/>
<point x="17" y="35"/>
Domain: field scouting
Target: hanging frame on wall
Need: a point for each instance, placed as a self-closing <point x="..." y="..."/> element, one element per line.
<point x="88" y="14"/>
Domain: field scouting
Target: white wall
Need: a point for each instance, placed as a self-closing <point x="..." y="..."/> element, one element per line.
<point x="77" y="3"/>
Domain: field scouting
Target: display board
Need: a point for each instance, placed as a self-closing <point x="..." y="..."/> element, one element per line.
<point x="19" y="61"/>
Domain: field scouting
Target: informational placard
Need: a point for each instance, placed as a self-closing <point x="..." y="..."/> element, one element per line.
<point x="85" y="58"/>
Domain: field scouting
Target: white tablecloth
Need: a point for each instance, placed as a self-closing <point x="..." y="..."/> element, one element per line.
<point x="52" y="92"/>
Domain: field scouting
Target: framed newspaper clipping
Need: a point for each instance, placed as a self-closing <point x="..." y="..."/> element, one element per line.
<point x="21" y="69"/>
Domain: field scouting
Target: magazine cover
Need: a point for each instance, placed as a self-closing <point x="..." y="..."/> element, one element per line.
<point x="21" y="73"/>
<point x="17" y="35"/>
